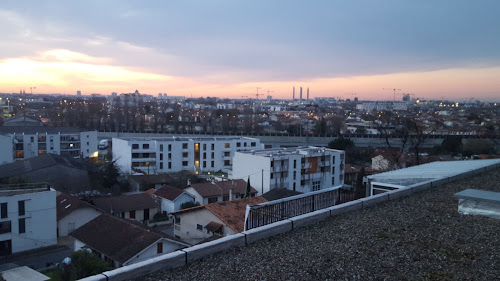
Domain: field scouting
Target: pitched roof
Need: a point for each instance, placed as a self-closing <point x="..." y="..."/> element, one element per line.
<point x="125" y="202"/>
<point x="66" y="204"/>
<point x="39" y="162"/>
<point x="169" y="192"/>
<point x="206" y="189"/>
<point x="213" y="226"/>
<point x="115" y="237"/>
<point x="231" y="213"/>
<point x="279" y="193"/>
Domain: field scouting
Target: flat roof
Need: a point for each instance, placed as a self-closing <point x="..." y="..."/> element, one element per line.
<point x="184" y="138"/>
<point x="430" y="171"/>
<point x="304" y="150"/>
<point x="40" y="129"/>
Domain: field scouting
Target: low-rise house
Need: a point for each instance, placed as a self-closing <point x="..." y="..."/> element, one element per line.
<point x="121" y="242"/>
<point x="217" y="191"/>
<point x="72" y="213"/>
<point x="196" y="224"/>
<point x="139" y="207"/>
<point x="172" y="198"/>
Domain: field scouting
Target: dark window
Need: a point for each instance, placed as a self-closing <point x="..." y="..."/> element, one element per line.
<point x="245" y="144"/>
<point x="272" y="164"/>
<point x="21" y="209"/>
<point x="146" y="214"/>
<point x="204" y="164"/>
<point x="161" y="156"/>
<point x="159" y="248"/>
<point x="294" y="174"/>
<point x="253" y="144"/>
<point x="272" y="175"/>
<point x="204" y="146"/>
<point x="204" y="155"/>
<point x="135" y="146"/>
<point x="227" y="162"/>
<point x="161" y="165"/>
<point x="132" y="214"/>
<point x="5" y="227"/>
<point x="145" y="146"/>
<point x="135" y="155"/>
<point x="184" y="163"/>
<point x="333" y="180"/>
<point x="184" y="146"/>
<point x="22" y="225"/>
<point x="199" y="227"/>
<point x="213" y="155"/>
<point x="213" y="146"/>
<point x="3" y="210"/>
<point x="294" y="164"/>
<point x="161" y="147"/>
<point x="227" y="153"/>
<point x="212" y="164"/>
<point x="225" y="197"/>
<point x="169" y="147"/>
<point x="177" y="220"/>
<point x="213" y="199"/>
<point x="170" y="156"/>
<point x="185" y="154"/>
<point x="238" y="144"/>
<point x="170" y="165"/>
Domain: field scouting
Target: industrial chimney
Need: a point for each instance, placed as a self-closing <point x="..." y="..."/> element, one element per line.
<point x="300" y="100"/>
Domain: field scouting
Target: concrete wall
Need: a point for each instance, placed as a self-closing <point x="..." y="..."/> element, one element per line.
<point x="151" y="251"/>
<point x="122" y="155"/>
<point x="75" y="220"/>
<point x="89" y="143"/>
<point x="180" y="200"/>
<point x="184" y="256"/>
<point x="7" y="149"/>
<point x="187" y="229"/>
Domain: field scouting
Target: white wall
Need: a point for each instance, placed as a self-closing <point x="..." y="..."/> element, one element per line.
<point x="187" y="229"/>
<point x="122" y="155"/>
<point x="89" y="143"/>
<point x="6" y="149"/>
<point x="247" y="164"/>
<point x="182" y="199"/>
<point x="77" y="218"/>
<point x="169" y="246"/>
<point x="40" y="217"/>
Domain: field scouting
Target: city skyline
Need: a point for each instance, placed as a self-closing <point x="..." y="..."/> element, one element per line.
<point x="431" y="49"/>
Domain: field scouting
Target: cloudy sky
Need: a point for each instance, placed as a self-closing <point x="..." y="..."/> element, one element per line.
<point x="433" y="49"/>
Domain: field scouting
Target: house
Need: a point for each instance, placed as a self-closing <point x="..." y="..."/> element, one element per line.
<point x="217" y="191"/>
<point x="302" y="169"/>
<point x="27" y="218"/>
<point x="196" y="224"/>
<point x="172" y="198"/>
<point x="143" y="182"/>
<point x="140" y="207"/>
<point x="353" y="173"/>
<point x="72" y="213"/>
<point x="62" y="173"/>
<point x="122" y="242"/>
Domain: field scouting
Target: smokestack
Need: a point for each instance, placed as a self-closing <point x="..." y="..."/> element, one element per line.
<point x="307" y="93"/>
<point x="231" y="193"/>
<point x="300" y="100"/>
<point x="293" y="95"/>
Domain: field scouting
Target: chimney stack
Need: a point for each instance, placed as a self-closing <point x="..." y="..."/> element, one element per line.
<point x="189" y="182"/>
<point x="231" y="193"/>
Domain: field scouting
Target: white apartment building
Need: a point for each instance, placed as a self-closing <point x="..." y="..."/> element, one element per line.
<point x="27" y="218"/>
<point x="19" y="143"/>
<point x="302" y="169"/>
<point x="175" y="154"/>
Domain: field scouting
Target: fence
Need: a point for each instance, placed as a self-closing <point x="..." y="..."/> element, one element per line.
<point x="273" y="211"/>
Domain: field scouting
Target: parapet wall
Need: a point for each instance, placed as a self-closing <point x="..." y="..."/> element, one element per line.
<point x="185" y="256"/>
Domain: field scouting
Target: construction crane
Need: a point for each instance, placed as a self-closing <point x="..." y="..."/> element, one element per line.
<point x="394" y="91"/>
<point x="257" y="95"/>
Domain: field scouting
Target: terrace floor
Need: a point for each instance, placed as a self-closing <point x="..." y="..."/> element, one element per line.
<point x="420" y="237"/>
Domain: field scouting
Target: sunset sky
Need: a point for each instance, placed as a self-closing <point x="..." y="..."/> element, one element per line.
<point x="433" y="49"/>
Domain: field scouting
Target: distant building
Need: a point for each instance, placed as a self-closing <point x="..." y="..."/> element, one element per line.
<point x="27" y="218"/>
<point x="301" y="169"/>
<point x="140" y="207"/>
<point x="19" y="143"/>
<point x="172" y="198"/>
<point x="22" y="121"/>
<point x="175" y="154"/>
<point x="218" y="191"/>
<point x="78" y="93"/>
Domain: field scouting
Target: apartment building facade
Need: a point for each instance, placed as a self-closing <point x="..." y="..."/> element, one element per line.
<point x="19" y="143"/>
<point x="27" y="218"/>
<point x="175" y="154"/>
<point x="302" y="169"/>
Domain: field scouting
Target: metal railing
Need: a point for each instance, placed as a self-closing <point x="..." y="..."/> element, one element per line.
<point x="278" y="210"/>
<point x="24" y="186"/>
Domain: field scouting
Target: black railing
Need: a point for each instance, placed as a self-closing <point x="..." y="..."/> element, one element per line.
<point x="278" y="210"/>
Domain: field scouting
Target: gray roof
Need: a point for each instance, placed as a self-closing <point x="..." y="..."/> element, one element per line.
<point x="418" y="237"/>
<point x="39" y="162"/>
<point x="4" y="130"/>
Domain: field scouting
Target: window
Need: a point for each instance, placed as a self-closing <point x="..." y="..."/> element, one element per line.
<point x="135" y="146"/>
<point x="294" y="175"/>
<point x="227" y="153"/>
<point x="177" y="220"/>
<point x="184" y="145"/>
<point x="333" y="159"/>
<point x="161" y="147"/>
<point x="227" y="162"/>
<point x="184" y="163"/>
<point x="161" y="165"/>
<point x="88" y="143"/>
<point x="213" y="146"/>
<point x="245" y="144"/>
<point x="333" y="170"/>
<point x="199" y="227"/>
<point x="145" y="146"/>
<point x="227" y="145"/>
<point x="341" y="177"/>
<point x="294" y="164"/>
<point x="3" y="208"/>
<point x="132" y="214"/>
<point x="170" y="156"/>
<point x="204" y="146"/>
<point x="161" y="156"/>
<point x="21" y="209"/>
<point x="213" y="164"/>
<point x="204" y="155"/>
<point x="170" y="165"/>
<point x="294" y="187"/>
<point x="333" y="180"/>
<point x="159" y="248"/>
<point x="184" y="154"/>
<point x="225" y="197"/>
<point x="272" y="175"/>
<point x="213" y="155"/>
<point x="22" y="225"/>
<point x="238" y="144"/>
<point x="5" y="227"/>
<point x="32" y="139"/>
<point x="253" y="143"/>
<point x="169" y="147"/>
<point x="316" y="185"/>
<point x="204" y="164"/>
<point x="212" y="199"/>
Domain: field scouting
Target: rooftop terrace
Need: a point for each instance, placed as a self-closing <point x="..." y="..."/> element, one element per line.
<point x="419" y="237"/>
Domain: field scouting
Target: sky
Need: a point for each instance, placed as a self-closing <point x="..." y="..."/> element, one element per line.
<point x="230" y="48"/>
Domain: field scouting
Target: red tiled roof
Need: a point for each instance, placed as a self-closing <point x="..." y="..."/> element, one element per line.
<point x="125" y="202"/>
<point x="169" y="192"/>
<point x="66" y="204"/>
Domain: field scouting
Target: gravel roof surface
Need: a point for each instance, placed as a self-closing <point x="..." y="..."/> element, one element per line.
<point x="420" y="237"/>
